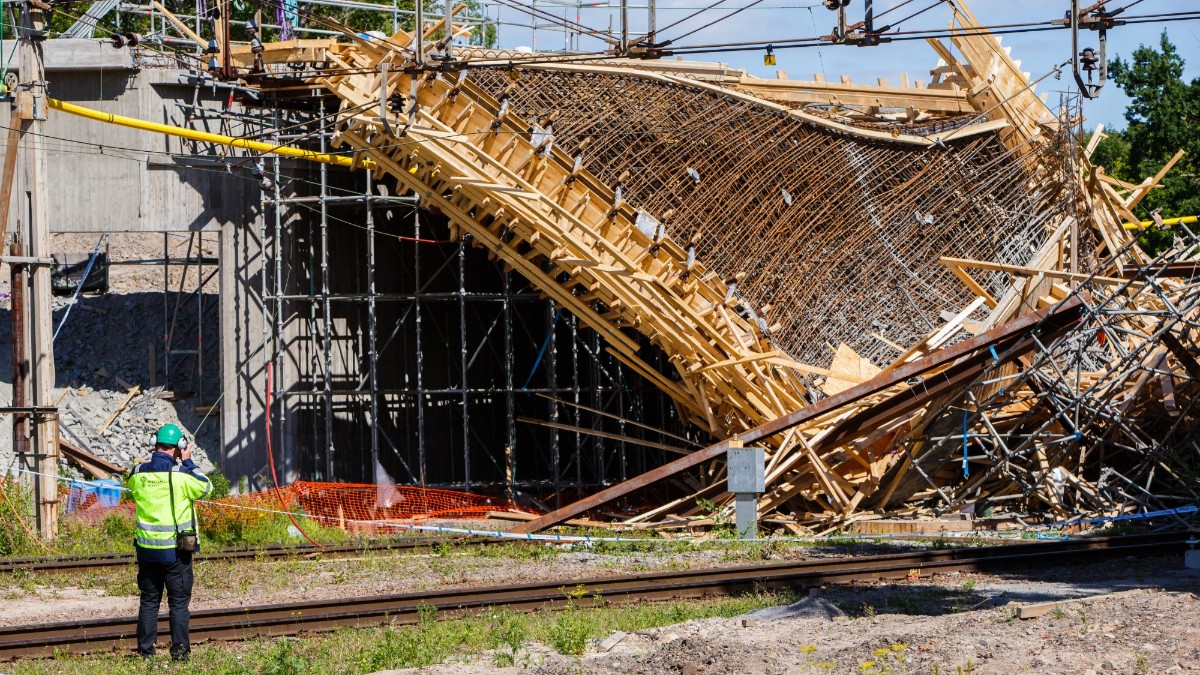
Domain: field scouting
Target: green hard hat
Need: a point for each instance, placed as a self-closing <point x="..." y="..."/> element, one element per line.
<point x="169" y="434"/>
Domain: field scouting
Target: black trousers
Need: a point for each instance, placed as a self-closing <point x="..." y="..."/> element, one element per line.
<point x="176" y="577"/>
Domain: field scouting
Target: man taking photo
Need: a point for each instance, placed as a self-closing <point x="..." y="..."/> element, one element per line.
<point x="166" y="537"/>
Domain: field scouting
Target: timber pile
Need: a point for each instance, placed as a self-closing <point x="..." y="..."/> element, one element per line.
<point x="1045" y="363"/>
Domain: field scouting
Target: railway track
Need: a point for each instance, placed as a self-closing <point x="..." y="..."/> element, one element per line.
<point x="86" y="563"/>
<point x="238" y="623"/>
<point x="72" y="564"/>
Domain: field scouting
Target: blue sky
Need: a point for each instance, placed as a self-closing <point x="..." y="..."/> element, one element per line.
<point x="784" y="19"/>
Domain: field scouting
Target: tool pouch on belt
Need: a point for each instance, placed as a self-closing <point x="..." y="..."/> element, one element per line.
<point x="186" y="540"/>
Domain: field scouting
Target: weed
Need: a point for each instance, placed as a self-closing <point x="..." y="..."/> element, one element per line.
<point x="868" y="611"/>
<point x="967" y="668"/>
<point x="891" y="660"/>
<point x="518" y="551"/>
<point x="25" y="580"/>
<point x="121" y="585"/>
<point x="220" y="485"/>
<point x="570" y="633"/>
<point x="16" y="513"/>
<point x="406" y="647"/>
<point x="968" y="585"/>
<point x="709" y="509"/>
<point x="1059" y="613"/>
<point x="1140" y="663"/>
<point x="509" y="633"/>
<point x="426" y="644"/>
<point x="118" y="527"/>
<point x="283" y="658"/>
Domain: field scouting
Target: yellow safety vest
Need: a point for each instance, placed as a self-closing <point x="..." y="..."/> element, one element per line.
<point x="156" y="524"/>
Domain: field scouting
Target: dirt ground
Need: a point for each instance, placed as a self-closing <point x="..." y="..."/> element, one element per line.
<point x="948" y="624"/>
<point x="952" y="623"/>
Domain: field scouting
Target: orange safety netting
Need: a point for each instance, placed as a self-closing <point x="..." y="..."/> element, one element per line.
<point x="350" y="506"/>
<point x="342" y="502"/>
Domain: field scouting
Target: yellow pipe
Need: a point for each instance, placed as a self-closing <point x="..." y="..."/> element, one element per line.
<point x="1184" y="220"/>
<point x="205" y="137"/>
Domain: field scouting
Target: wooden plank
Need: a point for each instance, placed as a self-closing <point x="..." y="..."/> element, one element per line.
<point x="847" y="370"/>
<point x="1185" y="357"/>
<point x="1044" y="608"/>
<point x="97" y="466"/>
<point x="1067" y="312"/>
<point x="129" y="397"/>
<point x="13" y="141"/>
<point x="1024" y="270"/>
<point x="970" y="283"/>
<point x="179" y="25"/>
<point x="1144" y="190"/>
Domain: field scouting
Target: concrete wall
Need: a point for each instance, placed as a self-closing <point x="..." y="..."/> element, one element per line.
<point x="117" y="179"/>
<point x="108" y="178"/>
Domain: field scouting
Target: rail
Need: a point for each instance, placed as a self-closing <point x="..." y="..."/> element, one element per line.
<point x="84" y="563"/>
<point x="239" y="623"/>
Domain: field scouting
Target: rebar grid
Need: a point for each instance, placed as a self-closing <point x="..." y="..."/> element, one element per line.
<point x="839" y="236"/>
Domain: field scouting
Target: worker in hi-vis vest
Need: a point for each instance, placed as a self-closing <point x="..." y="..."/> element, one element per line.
<point x="166" y="537"/>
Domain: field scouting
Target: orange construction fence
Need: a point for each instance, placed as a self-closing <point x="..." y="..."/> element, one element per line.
<point x="354" y="507"/>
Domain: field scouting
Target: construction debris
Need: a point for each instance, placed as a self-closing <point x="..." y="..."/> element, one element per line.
<point x="919" y="300"/>
<point x="941" y="310"/>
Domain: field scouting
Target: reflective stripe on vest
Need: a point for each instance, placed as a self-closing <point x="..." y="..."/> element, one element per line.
<point x="147" y="542"/>
<point x="147" y="527"/>
<point x="157" y="519"/>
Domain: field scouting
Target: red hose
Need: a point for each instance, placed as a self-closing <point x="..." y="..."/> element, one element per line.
<point x="271" y="460"/>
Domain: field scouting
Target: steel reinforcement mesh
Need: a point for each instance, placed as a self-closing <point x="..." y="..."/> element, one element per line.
<point x="839" y="235"/>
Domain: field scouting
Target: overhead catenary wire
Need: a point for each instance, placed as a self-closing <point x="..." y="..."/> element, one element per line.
<point x="718" y="20"/>
<point x="791" y="43"/>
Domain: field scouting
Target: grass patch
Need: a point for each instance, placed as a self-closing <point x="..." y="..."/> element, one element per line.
<point x="16" y="514"/>
<point x="502" y="632"/>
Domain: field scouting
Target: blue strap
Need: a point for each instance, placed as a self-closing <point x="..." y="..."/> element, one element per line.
<point x="542" y="351"/>
<point x="79" y="288"/>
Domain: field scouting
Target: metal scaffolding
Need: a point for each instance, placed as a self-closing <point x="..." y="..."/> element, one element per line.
<point x="403" y="354"/>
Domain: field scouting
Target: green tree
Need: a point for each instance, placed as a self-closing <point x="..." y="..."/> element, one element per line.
<point x="1162" y="119"/>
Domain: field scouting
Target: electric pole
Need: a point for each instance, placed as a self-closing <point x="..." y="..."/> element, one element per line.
<point x="35" y="422"/>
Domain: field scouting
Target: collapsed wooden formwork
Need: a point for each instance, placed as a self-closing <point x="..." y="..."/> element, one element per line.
<point x="901" y="305"/>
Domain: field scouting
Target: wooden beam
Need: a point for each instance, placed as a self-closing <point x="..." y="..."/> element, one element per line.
<point x="1022" y="270"/>
<point x="970" y="283"/>
<point x="97" y="466"/>
<point x="1068" y="311"/>
<point x="10" y="169"/>
<point x="180" y="25"/>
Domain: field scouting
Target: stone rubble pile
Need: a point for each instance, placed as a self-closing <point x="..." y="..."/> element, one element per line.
<point x="101" y="357"/>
